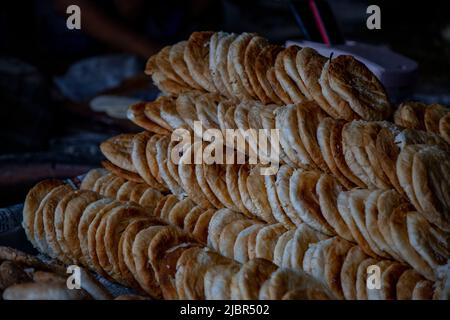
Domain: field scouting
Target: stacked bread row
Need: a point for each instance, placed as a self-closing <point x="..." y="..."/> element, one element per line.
<point x="320" y="133"/>
<point x="338" y="264"/>
<point x="125" y="242"/>
<point x="248" y="67"/>
<point x="197" y="112"/>
<point x="433" y="118"/>
<point x="369" y="217"/>
<point x="357" y="153"/>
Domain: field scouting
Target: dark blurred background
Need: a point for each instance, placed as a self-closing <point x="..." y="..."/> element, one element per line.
<point x="51" y="78"/>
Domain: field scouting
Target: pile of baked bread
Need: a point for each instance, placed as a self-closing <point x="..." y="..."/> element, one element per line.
<point x="132" y="242"/>
<point x="25" y="277"/>
<point x="358" y="208"/>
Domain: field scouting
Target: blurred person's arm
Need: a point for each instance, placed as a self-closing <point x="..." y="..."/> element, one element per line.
<point x="98" y="25"/>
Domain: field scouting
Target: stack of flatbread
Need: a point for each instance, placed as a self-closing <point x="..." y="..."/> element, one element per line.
<point x="358" y="187"/>
<point x="248" y="67"/>
<point x="381" y="222"/>
<point x="133" y="245"/>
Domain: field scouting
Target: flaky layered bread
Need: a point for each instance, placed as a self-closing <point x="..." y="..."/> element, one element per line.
<point x="248" y="67"/>
<point x="372" y="155"/>
<point x="358" y="153"/>
<point x="381" y="222"/>
<point x="237" y="237"/>
<point x="352" y="192"/>
<point x="296" y="196"/>
<point x="127" y="243"/>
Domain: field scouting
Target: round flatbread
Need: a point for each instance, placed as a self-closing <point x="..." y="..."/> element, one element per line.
<point x="266" y="240"/>
<point x="32" y="202"/>
<point x="252" y="276"/>
<point x="359" y="87"/>
<point x="327" y="190"/>
<point x="196" y="50"/>
<point x="302" y="193"/>
<point x="264" y="61"/>
<point x="176" y="59"/>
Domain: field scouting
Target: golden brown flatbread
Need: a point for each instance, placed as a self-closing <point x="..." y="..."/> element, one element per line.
<point x="289" y="61"/>
<point x="254" y="48"/>
<point x="359" y="87"/>
<point x="339" y="106"/>
<point x="285" y="81"/>
<point x="136" y="113"/>
<point x="282" y="183"/>
<point x="200" y="231"/>
<point x="223" y="46"/>
<point x="125" y="260"/>
<point x="410" y="115"/>
<point x="276" y="86"/>
<point x="433" y="114"/>
<point x="327" y="190"/>
<point x="218" y="280"/>
<point x="264" y="61"/>
<point x="302" y="192"/>
<point x="406" y="284"/>
<point x="138" y="156"/>
<point x="196" y="56"/>
<point x="118" y="171"/>
<point x="152" y="111"/>
<point x="73" y="213"/>
<point x="399" y="231"/>
<point x="431" y="184"/>
<point x="355" y="256"/>
<point x="252" y="276"/>
<point x="241" y="245"/>
<point x="337" y="150"/>
<point x="229" y="234"/>
<point x="266" y="240"/>
<point x="324" y="131"/>
<point x="303" y="237"/>
<point x="144" y="273"/>
<point x="309" y="65"/>
<point x="91" y="177"/>
<point x="47" y="208"/>
<point x="238" y="78"/>
<point x="191" y="269"/>
<point x="32" y="202"/>
<point x="176" y="59"/>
